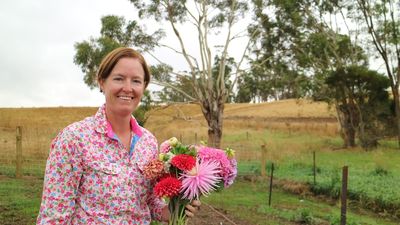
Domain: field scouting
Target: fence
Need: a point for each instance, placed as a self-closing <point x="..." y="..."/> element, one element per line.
<point x="20" y="152"/>
<point x="19" y="155"/>
<point x="24" y="151"/>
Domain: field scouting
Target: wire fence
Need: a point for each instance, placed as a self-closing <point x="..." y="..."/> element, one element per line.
<point x="24" y="151"/>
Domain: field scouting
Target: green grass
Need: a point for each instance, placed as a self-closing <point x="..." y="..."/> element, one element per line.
<point x="373" y="185"/>
<point x="374" y="180"/>
<point x="249" y="201"/>
<point x="35" y="169"/>
<point x="374" y="176"/>
<point x="19" y="200"/>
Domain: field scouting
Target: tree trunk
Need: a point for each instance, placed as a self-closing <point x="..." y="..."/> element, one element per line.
<point x="347" y="130"/>
<point x="213" y="112"/>
<point x="397" y="111"/>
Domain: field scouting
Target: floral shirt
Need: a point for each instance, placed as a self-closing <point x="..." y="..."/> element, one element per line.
<point x="92" y="179"/>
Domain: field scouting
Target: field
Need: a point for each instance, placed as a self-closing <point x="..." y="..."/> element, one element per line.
<point x="291" y="131"/>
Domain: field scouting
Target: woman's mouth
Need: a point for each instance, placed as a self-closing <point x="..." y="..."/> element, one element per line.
<point x="125" y="98"/>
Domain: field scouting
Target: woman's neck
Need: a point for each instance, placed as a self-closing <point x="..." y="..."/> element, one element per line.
<point x="120" y="124"/>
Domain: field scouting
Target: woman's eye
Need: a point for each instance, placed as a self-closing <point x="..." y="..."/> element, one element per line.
<point x="137" y="81"/>
<point x="118" y="78"/>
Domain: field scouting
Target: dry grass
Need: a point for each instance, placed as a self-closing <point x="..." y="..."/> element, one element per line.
<point x="289" y="115"/>
<point x="185" y="121"/>
<point x="39" y="127"/>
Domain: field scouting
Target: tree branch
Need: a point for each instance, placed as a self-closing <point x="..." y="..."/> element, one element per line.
<point x="165" y="84"/>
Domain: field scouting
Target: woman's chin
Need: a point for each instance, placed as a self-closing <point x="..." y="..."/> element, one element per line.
<point x="125" y="110"/>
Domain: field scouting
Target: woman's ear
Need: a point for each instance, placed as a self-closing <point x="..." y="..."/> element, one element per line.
<point x="101" y="84"/>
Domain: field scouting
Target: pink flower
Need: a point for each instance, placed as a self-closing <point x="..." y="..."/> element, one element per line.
<point x="167" y="187"/>
<point x="154" y="169"/>
<point x="201" y="180"/>
<point x="165" y="147"/>
<point x="228" y="166"/>
<point x="183" y="162"/>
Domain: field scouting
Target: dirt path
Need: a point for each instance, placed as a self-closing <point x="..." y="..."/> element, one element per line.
<point x="208" y="215"/>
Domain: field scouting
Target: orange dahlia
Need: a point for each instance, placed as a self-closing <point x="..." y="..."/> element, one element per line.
<point x="154" y="169"/>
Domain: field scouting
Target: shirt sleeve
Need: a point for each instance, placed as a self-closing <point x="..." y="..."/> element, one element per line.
<point x="155" y="203"/>
<point x="62" y="177"/>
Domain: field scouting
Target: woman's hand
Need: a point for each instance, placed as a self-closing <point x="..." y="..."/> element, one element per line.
<point x="192" y="208"/>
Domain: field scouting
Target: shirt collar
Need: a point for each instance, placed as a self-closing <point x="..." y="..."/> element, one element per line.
<point x="104" y="126"/>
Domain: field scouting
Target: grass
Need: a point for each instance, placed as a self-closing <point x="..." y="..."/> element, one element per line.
<point x="19" y="200"/>
<point x="374" y="176"/>
<point x="291" y="131"/>
<point x="244" y="200"/>
<point x="249" y="201"/>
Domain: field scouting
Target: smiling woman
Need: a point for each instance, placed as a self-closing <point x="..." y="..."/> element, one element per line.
<point x="94" y="170"/>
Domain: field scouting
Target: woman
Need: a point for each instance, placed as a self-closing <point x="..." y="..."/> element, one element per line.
<point x="94" y="170"/>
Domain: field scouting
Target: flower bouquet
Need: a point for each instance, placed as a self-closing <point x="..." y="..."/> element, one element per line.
<point x="186" y="172"/>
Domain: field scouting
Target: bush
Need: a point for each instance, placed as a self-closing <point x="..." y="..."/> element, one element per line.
<point x="305" y="217"/>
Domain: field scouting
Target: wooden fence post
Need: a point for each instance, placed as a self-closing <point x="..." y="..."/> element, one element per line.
<point x="263" y="160"/>
<point x="18" y="169"/>
<point x="195" y="138"/>
<point x="270" y="185"/>
<point x="314" y="169"/>
<point x="344" y="196"/>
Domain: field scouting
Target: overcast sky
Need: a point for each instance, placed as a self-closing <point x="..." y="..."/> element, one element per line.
<point x="37" y="50"/>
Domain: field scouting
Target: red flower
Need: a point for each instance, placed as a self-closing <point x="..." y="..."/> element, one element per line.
<point x="167" y="187"/>
<point x="183" y="162"/>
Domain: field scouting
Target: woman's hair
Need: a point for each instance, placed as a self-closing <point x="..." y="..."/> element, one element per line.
<point x="110" y="60"/>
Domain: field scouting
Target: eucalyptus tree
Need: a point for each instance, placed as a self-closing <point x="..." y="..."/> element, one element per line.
<point x="115" y="32"/>
<point x="279" y="26"/>
<point x="301" y="43"/>
<point x="382" y="21"/>
<point x="361" y="95"/>
<point x="209" y="19"/>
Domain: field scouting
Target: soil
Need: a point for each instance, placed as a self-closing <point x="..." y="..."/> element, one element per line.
<point x="209" y="215"/>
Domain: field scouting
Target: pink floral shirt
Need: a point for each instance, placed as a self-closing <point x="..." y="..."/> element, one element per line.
<point x="92" y="179"/>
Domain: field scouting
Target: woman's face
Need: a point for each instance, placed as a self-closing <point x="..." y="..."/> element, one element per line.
<point x="124" y="87"/>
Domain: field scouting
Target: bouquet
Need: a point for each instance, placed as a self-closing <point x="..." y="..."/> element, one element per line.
<point x="186" y="172"/>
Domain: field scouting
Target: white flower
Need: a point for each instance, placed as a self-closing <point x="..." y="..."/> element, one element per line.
<point x="173" y="141"/>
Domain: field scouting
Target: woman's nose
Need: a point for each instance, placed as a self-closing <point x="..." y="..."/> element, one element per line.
<point x="127" y="86"/>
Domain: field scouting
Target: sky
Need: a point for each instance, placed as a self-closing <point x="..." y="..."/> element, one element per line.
<point x="37" y="50"/>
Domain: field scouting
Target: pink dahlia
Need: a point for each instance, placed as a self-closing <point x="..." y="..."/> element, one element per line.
<point x="167" y="187"/>
<point x="201" y="180"/>
<point x="227" y="166"/>
<point x="183" y="162"/>
<point x="165" y="147"/>
<point x="154" y="169"/>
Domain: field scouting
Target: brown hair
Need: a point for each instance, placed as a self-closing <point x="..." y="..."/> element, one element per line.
<point x="110" y="60"/>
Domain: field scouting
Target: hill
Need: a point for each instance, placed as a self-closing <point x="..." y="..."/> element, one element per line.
<point x="40" y="125"/>
<point x="187" y="119"/>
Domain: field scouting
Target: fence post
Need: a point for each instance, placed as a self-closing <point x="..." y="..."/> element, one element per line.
<point x="263" y="160"/>
<point x="270" y="184"/>
<point x="314" y="169"/>
<point x="343" y="210"/>
<point x="18" y="168"/>
<point x="195" y="138"/>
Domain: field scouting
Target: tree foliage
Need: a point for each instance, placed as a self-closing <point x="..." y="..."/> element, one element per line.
<point x="115" y="32"/>
<point x="207" y="77"/>
<point x="276" y="72"/>
<point x="363" y="101"/>
<point x="382" y="21"/>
